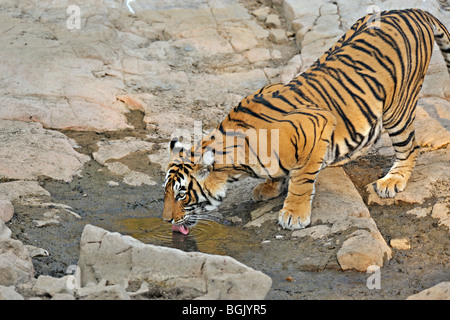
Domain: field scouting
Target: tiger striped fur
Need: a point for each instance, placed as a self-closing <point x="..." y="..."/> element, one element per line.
<point x="330" y="114"/>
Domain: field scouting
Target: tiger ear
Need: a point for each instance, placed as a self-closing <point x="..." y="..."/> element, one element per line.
<point x="175" y="148"/>
<point x="203" y="169"/>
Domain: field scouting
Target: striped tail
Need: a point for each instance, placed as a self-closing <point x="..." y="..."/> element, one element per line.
<point x="442" y="38"/>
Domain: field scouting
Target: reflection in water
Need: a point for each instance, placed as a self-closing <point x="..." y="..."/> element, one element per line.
<point x="207" y="236"/>
<point x="184" y="242"/>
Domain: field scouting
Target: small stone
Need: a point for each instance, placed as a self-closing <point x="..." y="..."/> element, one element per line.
<point x="46" y="285"/>
<point x="99" y="73"/>
<point x="36" y="252"/>
<point x="278" y="36"/>
<point x="273" y="21"/>
<point x="419" y="212"/>
<point x="440" y="211"/>
<point x="400" y="244"/>
<point x="261" y="13"/>
<point x="361" y="251"/>
<point x="5" y="232"/>
<point x="290" y="279"/>
<point x="242" y="39"/>
<point x="257" y="55"/>
<point x="46" y="222"/>
<point x="112" y="183"/>
<point x="6" y="210"/>
<point x="276" y="54"/>
<point x="297" y="25"/>
<point x="235" y="220"/>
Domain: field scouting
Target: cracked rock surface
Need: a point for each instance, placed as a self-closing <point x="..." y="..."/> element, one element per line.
<point x="85" y="117"/>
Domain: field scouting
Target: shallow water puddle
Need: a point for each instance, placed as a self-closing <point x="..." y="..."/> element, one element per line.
<point x="207" y="236"/>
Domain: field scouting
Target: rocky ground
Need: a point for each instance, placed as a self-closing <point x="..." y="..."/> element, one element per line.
<point x="89" y="97"/>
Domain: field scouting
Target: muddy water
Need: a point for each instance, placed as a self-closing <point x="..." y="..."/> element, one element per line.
<point x="208" y="237"/>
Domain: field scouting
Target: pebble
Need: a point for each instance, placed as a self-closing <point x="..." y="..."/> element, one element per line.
<point x="112" y="183"/>
<point x="257" y="55"/>
<point x="440" y="211"/>
<point x="261" y="13"/>
<point x="278" y="36"/>
<point x="400" y="244"/>
<point x="419" y="212"/>
<point x="235" y="220"/>
<point x="6" y="210"/>
<point x="273" y="21"/>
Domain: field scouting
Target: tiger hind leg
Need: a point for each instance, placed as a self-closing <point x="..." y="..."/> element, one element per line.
<point x="269" y="189"/>
<point x="406" y="151"/>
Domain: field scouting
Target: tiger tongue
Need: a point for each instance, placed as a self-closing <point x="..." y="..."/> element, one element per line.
<point x="180" y="228"/>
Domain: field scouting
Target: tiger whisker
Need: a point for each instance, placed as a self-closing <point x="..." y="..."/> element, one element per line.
<point x="207" y="217"/>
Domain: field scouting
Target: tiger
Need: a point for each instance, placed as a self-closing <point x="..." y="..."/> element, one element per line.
<point x="332" y="113"/>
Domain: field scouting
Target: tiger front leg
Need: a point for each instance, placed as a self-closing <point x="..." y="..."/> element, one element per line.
<point x="296" y="212"/>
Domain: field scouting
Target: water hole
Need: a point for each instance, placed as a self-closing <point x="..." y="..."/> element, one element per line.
<point x="206" y="236"/>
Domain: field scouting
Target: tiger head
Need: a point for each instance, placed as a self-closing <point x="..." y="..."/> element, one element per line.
<point x="190" y="189"/>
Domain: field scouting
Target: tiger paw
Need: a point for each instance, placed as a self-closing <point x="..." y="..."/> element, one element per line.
<point x="388" y="186"/>
<point x="266" y="191"/>
<point x="290" y="220"/>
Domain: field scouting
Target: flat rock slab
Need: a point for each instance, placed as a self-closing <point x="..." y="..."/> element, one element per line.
<point x="29" y="151"/>
<point x="118" y="259"/>
<point x="17" y="190"/>
<point x="339" y="216"/>
<point x="117" y="149"/>
<point x="441" y="291"/>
